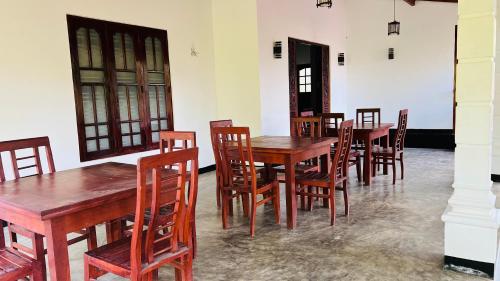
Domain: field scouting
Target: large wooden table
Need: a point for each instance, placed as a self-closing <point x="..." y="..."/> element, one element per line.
<point x="63" y="202"/>
<point x="289" y="151"/>
<point x="367" y="133"/>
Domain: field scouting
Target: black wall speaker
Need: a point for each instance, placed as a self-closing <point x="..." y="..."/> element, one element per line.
<point x="391" y="53"/>
<point x="341" y="58"/>
<point x="277" y="49"/>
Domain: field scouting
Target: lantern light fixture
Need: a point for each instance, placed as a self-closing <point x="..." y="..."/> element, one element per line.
<point x="395" y="25"/>
<point x="324" y="3"/>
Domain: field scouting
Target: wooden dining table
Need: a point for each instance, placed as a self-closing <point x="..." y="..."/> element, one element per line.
<point x="366" y="133"/>
<point x="67" y="201"/>
<point x="289" y="151"/>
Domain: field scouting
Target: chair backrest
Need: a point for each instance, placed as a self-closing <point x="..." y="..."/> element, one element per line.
<point x="306" y="127"/>
<point x="399" y="138"/>
<point x="217" y="156"/>
<point x="176" y="140"/>
<point x="234" y="146"/>
<point x="29" y="162"/>
<point x="368" y="116"/>
<point x="331" y="123"/>
<point x="167" y="193"/>
<point x="341" y="158"/>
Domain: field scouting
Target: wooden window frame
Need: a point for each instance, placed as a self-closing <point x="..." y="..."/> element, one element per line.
<point x="139" y="34"/>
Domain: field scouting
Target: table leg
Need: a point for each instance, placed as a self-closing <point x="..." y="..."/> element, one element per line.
<point x="291" y="200"/>
<point x="113" y="230"/>
<point x="57" y="250"/>
<point x="325" y="164"/>
<point x="367" y="167"/>
<point x="385" y="144"/>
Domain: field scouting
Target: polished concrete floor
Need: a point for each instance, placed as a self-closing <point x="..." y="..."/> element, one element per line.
<point x="394" y="232"/>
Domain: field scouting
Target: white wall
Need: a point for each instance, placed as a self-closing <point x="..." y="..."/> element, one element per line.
<point x="280" y="19"/>
<point x="421" y="76"/>
<point x="36" y="90"/>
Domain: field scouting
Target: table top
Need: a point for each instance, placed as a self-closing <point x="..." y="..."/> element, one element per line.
<point x="63" y="192"/>
<point x="372" y="127"/>
<point x="287" y="144"/>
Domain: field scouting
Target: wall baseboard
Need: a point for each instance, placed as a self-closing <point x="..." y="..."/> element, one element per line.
<point x="206" y="169"/>
<point x="428" y="138"/>
<point x="476" y="268"/>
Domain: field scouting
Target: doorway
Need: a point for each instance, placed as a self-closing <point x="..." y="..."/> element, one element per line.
<point x="309" y="78"/>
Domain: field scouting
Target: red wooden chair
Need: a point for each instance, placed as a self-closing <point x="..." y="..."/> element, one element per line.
<point x="337" y="175"/>
<point x="166" y="240"/>
<point x="31" y="165"/>
<point x="14" y="265"/>
<point x="240" y="176"/>
<point x="390" y="155"/>
<point x="303" y="127"/>
<point x="331" y="122"/>
<point x="366" y="116"/>
<point x="218" y="172"/>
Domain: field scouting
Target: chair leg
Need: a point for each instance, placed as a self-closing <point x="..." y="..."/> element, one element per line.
<point x="92" y="238"/>
<point x="90" y="271"/>
<point x="225" y="209"/>
<point x="276" y="203"/>
<point x="39" y="253"/>
<point x="402" y="166"/>
<point x="374" y="159"/>
<point x="302" y="197"/>
<point x="253" y="215"/>
<point x="244" y="202"/>
<point x="310" y="199"/>
<point x="38" y="272"/>
<point x="346" y="197"/>
<point x="394" y="170"/>
<point x="333" y="212"/>
<point x="218" y="196"/>
<point x="358" y="167"/>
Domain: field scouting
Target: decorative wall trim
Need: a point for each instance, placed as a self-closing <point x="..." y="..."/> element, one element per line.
<point x="206" y="169"/>
<point x="477" y="268"/>
<point x="428" y="138"/>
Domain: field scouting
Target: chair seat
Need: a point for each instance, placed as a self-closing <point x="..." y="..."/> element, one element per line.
<point x="14" y="265"/>
<point x="262" y="186"/>
<point x="299" y="168"/>
<point x="315" y="179"/>
<point x="117" y="254"/>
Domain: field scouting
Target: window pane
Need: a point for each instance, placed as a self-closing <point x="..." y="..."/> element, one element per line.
<point x="161" y="97"/>
<point x="95" y="45"/>
<point x="88" y="105"/>
<point x="308" y="80"/>
<point x="92" y="76"/>
<point x="156" y="78"/>
<point x="156" y="137"/>
<point x="136" y="127"/>
<point x="302" y="88"/>
<point x="154" y="125"/>
<point x="104" y="144"/>
<point x="125" y="128"/>
<point x="302" y="80"/>
<point x="126" y="77"/>
<point x="158" y="54"/>
<point x="91" y="146"/>
<point x="103" y="130"/>
<point x="163" y="124"/>
<point x="302" y="72"/>
<point x="90" y="132"/>
<point x="100" y="103"/>
<point x="308" y="71"/>
<point x="308" y="88"/>
<point x="129" y="52"/>
<point x="134" y="103"/>
<point x="83" y="48"/>
<point x="152" y="102"/>
<point x="137" y="140"/>
<point x="150" y="64"/>
<point x="126" y="141"/>
<point x="122" y="102"/>
<point x="118" y="49"/>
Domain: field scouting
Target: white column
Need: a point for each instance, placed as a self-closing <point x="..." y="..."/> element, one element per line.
<point x="470" y="218"/>
<point x="495" y="169"/>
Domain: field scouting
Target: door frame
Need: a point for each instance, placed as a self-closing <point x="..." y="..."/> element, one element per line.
<point x="292" y="76"/>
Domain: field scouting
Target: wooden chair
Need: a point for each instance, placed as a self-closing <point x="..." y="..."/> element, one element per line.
<point x="14" y="265"/>
<point x="331" y="123"/>
<point x="218" y="172"/>
<point x="303" y="127"/>
<point x="166" y="239"/>
<point x="390" y="155"/>
<point x="31" y="165"/>
<point x="240" y="176"/>
<point x="368" y="116"/>
<point x="337" y="175"/>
